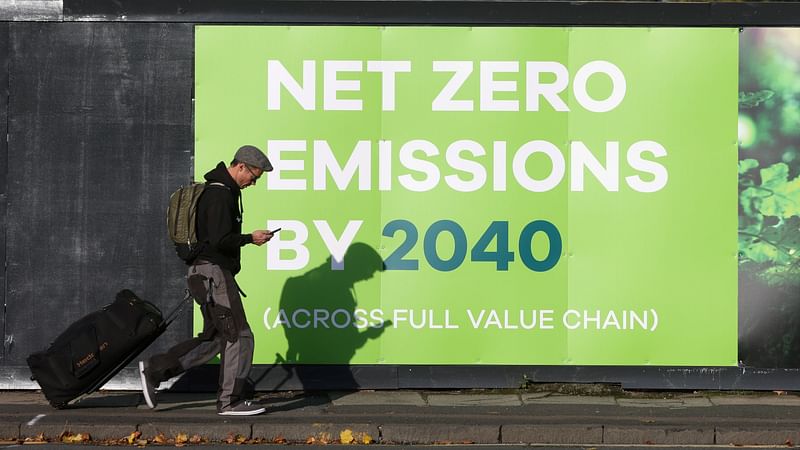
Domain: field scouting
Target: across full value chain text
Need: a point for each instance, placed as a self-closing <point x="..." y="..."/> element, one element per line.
<point x="544" y="319"/>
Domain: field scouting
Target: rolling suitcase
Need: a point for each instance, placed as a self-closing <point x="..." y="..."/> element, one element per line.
<point x="96" y="347"/>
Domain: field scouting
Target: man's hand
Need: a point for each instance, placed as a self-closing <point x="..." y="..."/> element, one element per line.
<point x="260" y="237"/>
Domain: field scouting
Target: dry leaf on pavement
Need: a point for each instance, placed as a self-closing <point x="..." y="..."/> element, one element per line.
<point x="346" y="437"/>
<point x="181" y="438"/>
<point x="133" y="437"/>
<point x="69" y="438"/>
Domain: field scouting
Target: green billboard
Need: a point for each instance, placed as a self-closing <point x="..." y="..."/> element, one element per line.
<point x="446" y="195"/>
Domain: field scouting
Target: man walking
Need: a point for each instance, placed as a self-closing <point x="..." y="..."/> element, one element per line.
<point x="211" y="282"/>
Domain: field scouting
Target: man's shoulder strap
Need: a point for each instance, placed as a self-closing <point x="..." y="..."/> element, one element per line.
<point x="218" y="184"/>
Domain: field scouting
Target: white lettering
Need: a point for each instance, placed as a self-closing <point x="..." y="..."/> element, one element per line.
<point x="489" y="85"/>
<point x="278" y="76"/>
<point x="388" y="69"/>
<point x="461" y="71"/>
<point x="325" y="162"/>
<point x="281" y="242"/>
<point x="333" y="85"/>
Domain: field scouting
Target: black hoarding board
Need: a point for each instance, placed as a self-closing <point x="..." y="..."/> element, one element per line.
<point x="100" y="135"/>
<point x="387" y="12"/>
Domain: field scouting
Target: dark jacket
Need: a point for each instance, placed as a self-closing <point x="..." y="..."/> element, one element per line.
<point x="219" y="221"/>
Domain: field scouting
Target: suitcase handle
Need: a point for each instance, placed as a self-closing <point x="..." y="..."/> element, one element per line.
<point x="173" y="314"/>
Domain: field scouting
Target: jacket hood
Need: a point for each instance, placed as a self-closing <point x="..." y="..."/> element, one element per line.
<point x="220" y="174"/>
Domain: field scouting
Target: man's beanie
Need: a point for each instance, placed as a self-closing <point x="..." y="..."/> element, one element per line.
<point x="252" y="156"/>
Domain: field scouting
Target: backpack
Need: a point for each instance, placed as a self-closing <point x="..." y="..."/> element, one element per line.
<point x="182" y="219"/>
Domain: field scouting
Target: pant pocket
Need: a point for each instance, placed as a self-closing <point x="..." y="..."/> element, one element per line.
<point x="224" y="323"/>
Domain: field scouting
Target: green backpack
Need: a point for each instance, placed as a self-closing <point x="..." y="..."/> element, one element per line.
<point x="182" y="219"/>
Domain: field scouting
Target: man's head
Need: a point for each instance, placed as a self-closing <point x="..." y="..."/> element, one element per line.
<point x="362" y="261"/>
<point x="248" y="164"/>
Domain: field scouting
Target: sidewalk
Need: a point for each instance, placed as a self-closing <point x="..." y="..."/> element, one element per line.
<point x="418" y="417"/>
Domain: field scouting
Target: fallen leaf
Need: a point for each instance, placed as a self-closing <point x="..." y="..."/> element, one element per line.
<point x="240" y="439"/>
<point x="346" y="436"/>
<point x="133" y="436"/>
<point x="279" y="440"/>
<point x="141" y="442"/>
<point x="366" y="439"/>
<point x="195" y="439"/>
<point x="311" y="440"/>
<point x="324" y="438"/>
<point x="181" y="438"/>
<point x="39" y="438"/>
<point x="69" y="438"/>
<point x="789" y="443"/>
<point x="160" y="439"/>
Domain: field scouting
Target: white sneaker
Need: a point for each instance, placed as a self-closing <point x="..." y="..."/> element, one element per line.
<point x="148" y="389"/>
<point x="243" y="408"/>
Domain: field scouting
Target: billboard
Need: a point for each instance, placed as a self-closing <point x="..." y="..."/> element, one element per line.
<point x="447" y="195"/>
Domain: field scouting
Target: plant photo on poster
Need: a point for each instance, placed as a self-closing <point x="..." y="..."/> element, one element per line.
<point x="769" y="198"/>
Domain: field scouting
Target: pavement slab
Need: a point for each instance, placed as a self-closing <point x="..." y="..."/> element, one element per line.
<point x="632" y="435"/>
<point x="9" y="430"/>
<point x="216" y="430"/>
<point x="562" y="399"/>
<point x="548" y="434"/>
<point x="97" y="431"/>
<point x="439" y="433"/>
<point x="757" y="436"/>
<point x="474" y="400"/>
<point x="316" y="433"/>
<point x="379" y="398"/>
<point x="171" y="402"/>
<point x="772" y="400"/>
<point x="650" y="403"/>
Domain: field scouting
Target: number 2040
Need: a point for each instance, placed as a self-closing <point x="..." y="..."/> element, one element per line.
<point x="497" y="230"/>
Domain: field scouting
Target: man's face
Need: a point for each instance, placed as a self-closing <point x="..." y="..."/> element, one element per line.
<point x="245" y="175"/>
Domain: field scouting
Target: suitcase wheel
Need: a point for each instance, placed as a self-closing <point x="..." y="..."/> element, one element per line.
<point x="58" y="405"/>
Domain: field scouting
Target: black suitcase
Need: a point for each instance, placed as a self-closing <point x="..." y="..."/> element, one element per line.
<point x="96" y="347"/>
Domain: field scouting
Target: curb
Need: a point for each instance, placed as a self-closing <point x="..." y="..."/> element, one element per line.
<point x="431" y="433"/>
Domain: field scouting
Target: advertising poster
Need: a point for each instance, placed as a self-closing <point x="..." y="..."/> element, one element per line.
<point x="500" y="196"/>
<point x="769" y="198"/>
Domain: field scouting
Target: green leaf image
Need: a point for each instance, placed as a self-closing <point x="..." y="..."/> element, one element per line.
<point x="753" y="99"/>
<point x="784" y="198"/>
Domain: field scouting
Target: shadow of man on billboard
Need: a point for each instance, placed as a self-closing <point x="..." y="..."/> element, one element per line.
<point x="324" y="329"/>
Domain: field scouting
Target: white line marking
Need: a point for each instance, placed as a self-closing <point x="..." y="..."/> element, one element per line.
<point x="35" y="419"/>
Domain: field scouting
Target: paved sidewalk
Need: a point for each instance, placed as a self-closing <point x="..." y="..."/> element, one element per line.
<point x="418" y="417"/>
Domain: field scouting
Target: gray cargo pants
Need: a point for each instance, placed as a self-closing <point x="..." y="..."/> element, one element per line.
<point x="225" y="332"/>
